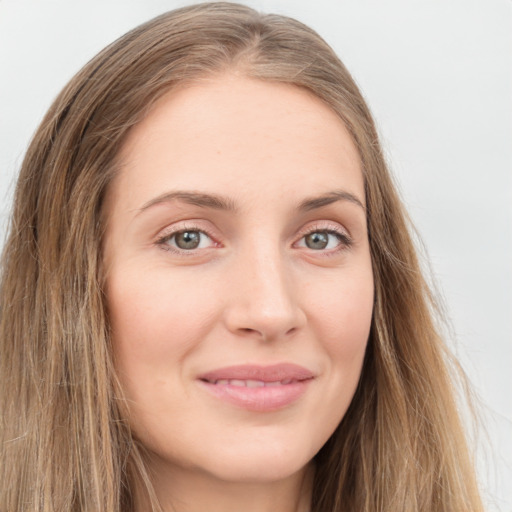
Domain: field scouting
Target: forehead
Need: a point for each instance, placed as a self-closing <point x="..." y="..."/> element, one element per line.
<point x="239" y="135"/>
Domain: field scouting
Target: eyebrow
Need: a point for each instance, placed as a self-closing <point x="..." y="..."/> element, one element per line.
<point x="329" y="198"/>
<point x="194" y="198"/>
<point x="218" y="202"/>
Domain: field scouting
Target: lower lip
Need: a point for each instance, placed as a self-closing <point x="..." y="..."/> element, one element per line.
<point x="259" y="399"/>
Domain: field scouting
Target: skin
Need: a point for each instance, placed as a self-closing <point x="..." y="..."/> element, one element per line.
<point x="255" y="291"/>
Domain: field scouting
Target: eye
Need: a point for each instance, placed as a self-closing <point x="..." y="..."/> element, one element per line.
<point x="326" y="239"/>
<point x="186" y="240"/>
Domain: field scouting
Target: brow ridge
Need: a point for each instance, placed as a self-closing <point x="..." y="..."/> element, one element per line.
<point x="329" y="198"/>
<point x="218" y="202"/>
<point x="201" y="199"/>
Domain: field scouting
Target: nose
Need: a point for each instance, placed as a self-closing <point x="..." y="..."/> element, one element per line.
<point x="263" y="302"/>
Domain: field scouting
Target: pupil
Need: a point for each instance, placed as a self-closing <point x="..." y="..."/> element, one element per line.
<point x="317" y="240"/>
<point x="188" y="240"/>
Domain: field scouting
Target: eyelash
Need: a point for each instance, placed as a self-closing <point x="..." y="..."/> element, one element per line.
<point x="345" y="242"/>
<point x="163" y="240"/>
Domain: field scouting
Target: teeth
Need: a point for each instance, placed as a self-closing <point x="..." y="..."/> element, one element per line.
<point x="254" y="384"/>
<point x="251" y="383"/>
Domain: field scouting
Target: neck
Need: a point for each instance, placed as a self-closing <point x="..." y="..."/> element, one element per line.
<point x="188" y="491"/>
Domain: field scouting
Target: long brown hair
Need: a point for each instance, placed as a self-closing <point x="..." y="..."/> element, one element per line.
<point x="64" y="443"/>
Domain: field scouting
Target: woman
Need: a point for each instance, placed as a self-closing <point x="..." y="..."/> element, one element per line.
<point x="210" y="299"/>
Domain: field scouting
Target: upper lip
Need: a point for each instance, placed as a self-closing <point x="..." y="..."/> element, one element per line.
<point x="270" y="373"/>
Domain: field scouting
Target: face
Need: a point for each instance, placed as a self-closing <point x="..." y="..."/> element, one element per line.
<point x="239" y="281"/>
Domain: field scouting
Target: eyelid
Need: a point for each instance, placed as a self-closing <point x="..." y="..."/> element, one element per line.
<point x="169" y="232"/>
<point x="324" y="225"/>
<point x="346" y="240"/>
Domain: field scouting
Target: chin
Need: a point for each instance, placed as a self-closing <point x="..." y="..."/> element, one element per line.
<point x="257" y="464"/>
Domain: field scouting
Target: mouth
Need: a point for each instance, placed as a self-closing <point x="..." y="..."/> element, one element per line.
<point x="250" y="383"/>
<point x="258" y="388"/>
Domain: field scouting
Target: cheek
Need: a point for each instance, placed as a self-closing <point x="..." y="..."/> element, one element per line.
<point x="156" y="319"/>
<point x="344" y="307"/>
<point x="343" y="314"/>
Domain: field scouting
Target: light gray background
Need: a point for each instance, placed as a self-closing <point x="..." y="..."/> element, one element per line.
<point x="438" y="76"/>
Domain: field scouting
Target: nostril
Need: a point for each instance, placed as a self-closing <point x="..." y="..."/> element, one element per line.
<point x="264" y="319"/>
<point x="265" y="334"/>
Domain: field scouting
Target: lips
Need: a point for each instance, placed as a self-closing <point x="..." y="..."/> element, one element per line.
<point x="258" y="388"/>
<point x="250" y="383"/>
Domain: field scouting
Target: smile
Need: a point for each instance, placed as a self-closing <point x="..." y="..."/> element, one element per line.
<point x="258" y="388"/>
<point x="251" y="383"/>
